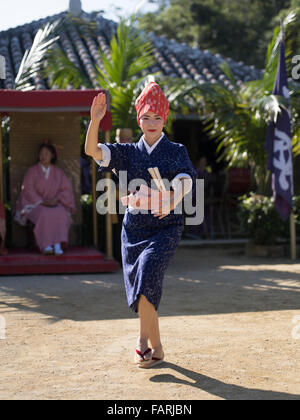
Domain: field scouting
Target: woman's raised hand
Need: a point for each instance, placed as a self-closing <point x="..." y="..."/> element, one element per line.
<point x="98" y="108"/>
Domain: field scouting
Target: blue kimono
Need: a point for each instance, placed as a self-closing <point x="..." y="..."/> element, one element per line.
<point x="147" y="242"/>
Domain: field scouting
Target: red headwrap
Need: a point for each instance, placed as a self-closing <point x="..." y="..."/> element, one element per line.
<point x="152" y="99"/>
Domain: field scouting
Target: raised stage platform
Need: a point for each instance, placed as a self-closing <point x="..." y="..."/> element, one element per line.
<point x="75" y="260"/>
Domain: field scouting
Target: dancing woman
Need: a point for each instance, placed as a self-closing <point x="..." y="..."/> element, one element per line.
<point x="148" y="239"/>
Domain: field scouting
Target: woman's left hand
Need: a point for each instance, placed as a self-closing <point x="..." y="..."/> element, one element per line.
<point x="166" y="206"/>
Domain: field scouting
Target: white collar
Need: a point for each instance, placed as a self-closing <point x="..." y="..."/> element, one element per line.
<point x="151" y="148"/>
<point x="46" y="170"/>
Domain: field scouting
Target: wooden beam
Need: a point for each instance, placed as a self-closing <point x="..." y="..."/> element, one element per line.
<point x="2" y="67"/>
<point x="94" y="196"/>
<point x="293" y="236"/>
<point x="108" y="218"/>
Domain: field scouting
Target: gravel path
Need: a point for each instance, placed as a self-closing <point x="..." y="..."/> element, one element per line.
<point x="230" y="328"/>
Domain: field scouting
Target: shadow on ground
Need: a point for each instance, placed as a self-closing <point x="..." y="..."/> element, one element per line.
<point x="218" y="388"/>
<point x="197" y="282"/>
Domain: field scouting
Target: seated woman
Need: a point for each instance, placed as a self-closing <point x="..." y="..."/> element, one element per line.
<point x="47" y="200"/>
<point x="3" y="250"/>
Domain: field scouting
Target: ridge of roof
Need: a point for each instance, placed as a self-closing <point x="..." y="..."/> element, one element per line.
<point x="37" y="22"/>
<point x="173" y="59"/>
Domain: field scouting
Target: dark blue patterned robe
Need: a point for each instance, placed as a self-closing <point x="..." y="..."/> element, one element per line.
<point x="147" y="242"/>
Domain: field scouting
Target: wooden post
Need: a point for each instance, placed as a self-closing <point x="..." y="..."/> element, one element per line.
<point x="293" y="226"/>
<point x="2" y="67"/>
<point x="94" y="196"/>
<point x="108" y="219"/>
<point x="293" y="236"/>
<point x="1" y="165"/>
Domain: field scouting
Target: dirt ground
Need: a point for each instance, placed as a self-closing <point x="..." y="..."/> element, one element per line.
<point x="230" y="328"/>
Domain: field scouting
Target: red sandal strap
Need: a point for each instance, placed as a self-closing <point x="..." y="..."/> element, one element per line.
<point x="142" y="354"/>
<point x="147" y="351"/>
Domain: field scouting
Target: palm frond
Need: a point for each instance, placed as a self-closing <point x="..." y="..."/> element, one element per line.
<point x="296" y="142"/>
<point x="31" y="62"/>
<point x="61" y="72"/>
<point x="273" y="49"/>
<point x="268" y="107"/>
<point x="122" y="112"/>
<point x="130" y="55"/>
<point x="228" y="73"/>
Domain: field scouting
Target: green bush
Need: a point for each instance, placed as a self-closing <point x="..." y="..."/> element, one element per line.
<point x="260" y="220"/>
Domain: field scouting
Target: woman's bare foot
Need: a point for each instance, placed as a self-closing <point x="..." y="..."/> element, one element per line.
<point x="157" y="358"/>
<point x="158" y="352"/>
<point x="143" y="353"/>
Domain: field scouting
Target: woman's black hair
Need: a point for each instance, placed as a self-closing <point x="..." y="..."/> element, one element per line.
<point x="51" y="149"/>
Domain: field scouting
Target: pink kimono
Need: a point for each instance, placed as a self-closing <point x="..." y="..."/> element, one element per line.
<point x="52" y="224"/>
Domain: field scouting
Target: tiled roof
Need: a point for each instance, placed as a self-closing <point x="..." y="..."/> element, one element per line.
<point x="82" y="48"/>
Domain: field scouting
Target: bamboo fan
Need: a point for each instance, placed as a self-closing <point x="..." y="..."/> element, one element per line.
<point x="154" y="172"/>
